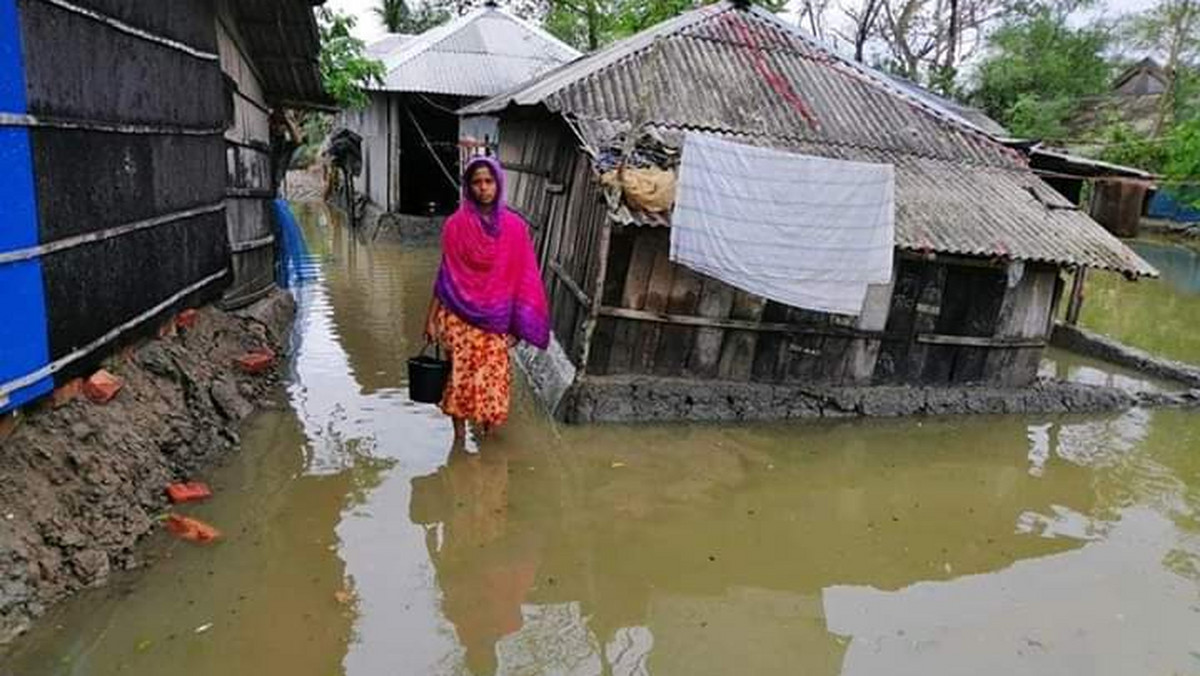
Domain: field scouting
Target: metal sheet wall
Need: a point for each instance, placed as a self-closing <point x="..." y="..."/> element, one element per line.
<point x="124" y="164"/>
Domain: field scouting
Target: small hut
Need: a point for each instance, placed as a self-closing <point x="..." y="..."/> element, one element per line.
<point x="410" y="129"/>
<point x="980" y="241"/>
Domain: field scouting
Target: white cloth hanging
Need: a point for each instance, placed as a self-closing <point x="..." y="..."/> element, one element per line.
<point x="809" y="232"/>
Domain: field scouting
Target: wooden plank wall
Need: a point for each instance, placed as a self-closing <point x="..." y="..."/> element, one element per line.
<point x="249" y="190"/>
<point x="970" y="301"/>
<point x="935" y="300"/>
<point x="641" y="277"/>
<point x="552" y="184"/>
<point x="1117" y="205"/>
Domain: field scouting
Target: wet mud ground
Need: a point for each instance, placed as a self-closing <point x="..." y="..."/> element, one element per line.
<point x="361" y="542"/>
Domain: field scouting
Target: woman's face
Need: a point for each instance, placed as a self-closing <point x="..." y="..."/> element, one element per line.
<point x="483" y="185"/>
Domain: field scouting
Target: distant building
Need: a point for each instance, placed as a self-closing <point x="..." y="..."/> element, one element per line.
<point x="410" y="130"/>
<point x="1135" y="98"/>
<point x="138" y="168"/>
<point x="1143" y="78"/>
<point x="980" y="241"/>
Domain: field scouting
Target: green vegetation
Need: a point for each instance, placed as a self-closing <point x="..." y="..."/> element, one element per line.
<point x="345" y="69"/>
<point x="591" y="24"/>
<point x="1183" y="162"/>
<point x="1037" y="69"/>
<point x="398" y="17"/>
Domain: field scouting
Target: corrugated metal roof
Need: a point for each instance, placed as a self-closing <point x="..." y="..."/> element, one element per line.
<point x="385" y="47"/>
<point x="282" y="38"/>
<point x="965" y="114"/>
<point x="745" y="73"/>
<point x="479" y="54"/>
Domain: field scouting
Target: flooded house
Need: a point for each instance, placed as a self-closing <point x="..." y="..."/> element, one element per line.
<point x="596" y="150"/>
<point x="138" y="168"/>
<point x="410" y="129"/>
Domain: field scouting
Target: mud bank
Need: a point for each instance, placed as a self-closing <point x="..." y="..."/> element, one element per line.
<point x="660" y="400"/>
<point x="80" y="483"/>
<point x="649" y="399"/>
<point x="1097" y="346"/>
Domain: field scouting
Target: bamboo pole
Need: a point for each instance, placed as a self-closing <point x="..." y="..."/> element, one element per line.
<point x="1075" y="305"/>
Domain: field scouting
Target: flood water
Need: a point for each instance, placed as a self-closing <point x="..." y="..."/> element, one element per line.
<point x="360" y="542"/>
<point x="1158" y="315"/>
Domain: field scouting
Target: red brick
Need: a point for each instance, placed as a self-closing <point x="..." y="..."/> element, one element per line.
<point x="258" y="361"/>
<point x="102" y="387"/>
<point x="188" y="492"/>
<point x="187" y="319"/>
<point x="65" y="394"/>
<point x="191" y="529"/>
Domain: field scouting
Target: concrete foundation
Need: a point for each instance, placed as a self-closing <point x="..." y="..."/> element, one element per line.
<point x="628" y="399"/>
<point x="658" y="400"/>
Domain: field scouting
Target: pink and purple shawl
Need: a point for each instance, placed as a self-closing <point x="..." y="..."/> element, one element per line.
<point x="489" y="274"/>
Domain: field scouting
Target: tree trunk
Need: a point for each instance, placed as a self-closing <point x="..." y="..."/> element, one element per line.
<point x="952" y="37"/>
<point x="593" y="33"/>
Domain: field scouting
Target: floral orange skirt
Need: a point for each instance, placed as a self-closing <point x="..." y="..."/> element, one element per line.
<point x="479" y="378"/>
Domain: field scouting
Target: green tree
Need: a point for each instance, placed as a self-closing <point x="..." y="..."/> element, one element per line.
<point x="1171" y="28"/>
<point x="345" y="69"/>
<point x="398" y="17"/>
<point x="1183" y="162"/>
<point x="583" y="24"/>
<point x="1122" y="144"/>
<point x="1036" y="69"/>
<point x="591" y="24"/>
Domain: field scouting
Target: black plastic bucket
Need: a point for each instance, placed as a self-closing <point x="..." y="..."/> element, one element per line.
<point x="427" y="377"/>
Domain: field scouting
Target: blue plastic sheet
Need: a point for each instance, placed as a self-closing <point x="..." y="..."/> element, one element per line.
<point x="1168" y="207"/>
<point x="295" y="265"/>
<point x="24" y="347"/>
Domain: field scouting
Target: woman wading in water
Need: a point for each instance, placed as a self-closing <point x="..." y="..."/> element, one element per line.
<point x="488" y="296"/>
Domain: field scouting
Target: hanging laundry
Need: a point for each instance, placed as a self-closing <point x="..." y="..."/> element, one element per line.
<point x="809" y="232"/>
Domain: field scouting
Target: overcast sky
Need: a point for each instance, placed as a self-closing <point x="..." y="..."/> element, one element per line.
<point x="369" y="28"/>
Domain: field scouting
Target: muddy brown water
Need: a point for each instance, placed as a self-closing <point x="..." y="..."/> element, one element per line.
<point x="360" y="542"/>
<point x="1158" y="315"/>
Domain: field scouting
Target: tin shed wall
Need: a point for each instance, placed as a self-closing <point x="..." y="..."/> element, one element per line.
<point x="124" y="115"/>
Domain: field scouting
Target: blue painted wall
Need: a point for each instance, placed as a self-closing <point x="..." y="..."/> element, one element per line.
<point x="23" y="343"/>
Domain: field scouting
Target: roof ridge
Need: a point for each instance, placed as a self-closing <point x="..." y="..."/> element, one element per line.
<point x="600" y="61"/>
<point x="874" y="77"/>
<point x="431" y="38"/>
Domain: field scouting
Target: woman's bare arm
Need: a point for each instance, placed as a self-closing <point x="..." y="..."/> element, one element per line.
<point x="430" y="319"/>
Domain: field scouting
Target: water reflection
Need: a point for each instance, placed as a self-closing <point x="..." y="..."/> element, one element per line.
<point x="484" y="571"/>
<point x="1071" y="367"/>
<point x="1072" y="613"/>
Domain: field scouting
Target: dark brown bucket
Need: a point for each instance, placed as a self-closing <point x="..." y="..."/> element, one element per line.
<point x="427" y="376"/>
